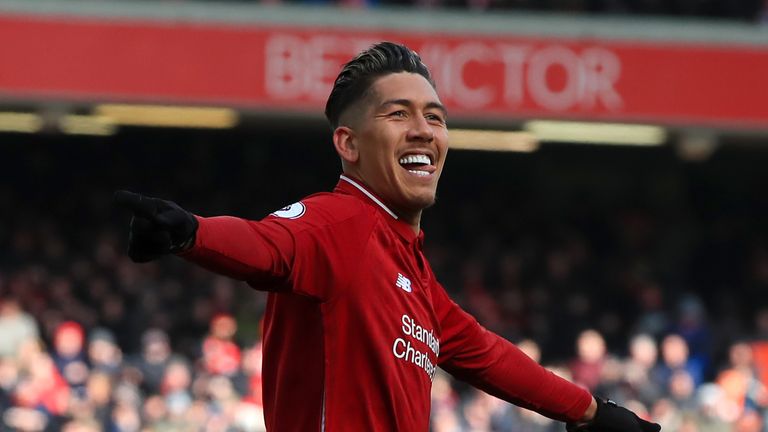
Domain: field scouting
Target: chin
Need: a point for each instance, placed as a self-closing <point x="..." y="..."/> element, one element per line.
<point x="422" y="202"/>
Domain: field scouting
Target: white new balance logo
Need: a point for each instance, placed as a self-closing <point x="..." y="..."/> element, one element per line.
<point x="403" y="282"/>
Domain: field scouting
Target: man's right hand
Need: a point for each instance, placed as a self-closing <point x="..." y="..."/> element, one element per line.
<point x="158" y="227"/>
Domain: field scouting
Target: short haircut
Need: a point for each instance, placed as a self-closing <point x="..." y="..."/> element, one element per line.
<point x="358" y="75"/>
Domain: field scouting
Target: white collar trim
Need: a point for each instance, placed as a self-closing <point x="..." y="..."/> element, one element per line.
<point x="369" y="195"/>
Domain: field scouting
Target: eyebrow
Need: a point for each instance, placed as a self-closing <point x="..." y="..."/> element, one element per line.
<point x="409" y="103"/>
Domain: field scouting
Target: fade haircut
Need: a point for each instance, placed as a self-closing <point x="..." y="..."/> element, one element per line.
<point x="358" y="75"/>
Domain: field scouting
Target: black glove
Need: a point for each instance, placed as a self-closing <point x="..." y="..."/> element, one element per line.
<point x="158" y="227"/>
<point x="613" y="418"/>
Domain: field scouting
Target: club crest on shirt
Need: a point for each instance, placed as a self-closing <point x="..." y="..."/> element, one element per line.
<point x="293" y="211"/>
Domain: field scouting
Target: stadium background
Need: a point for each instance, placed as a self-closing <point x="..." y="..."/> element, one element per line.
<point x="561" y="242"/>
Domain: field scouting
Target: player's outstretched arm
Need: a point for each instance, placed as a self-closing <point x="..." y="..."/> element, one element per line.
<point x="489" y="362"/>
<point x="611" y="417"/>
<point x="256" y="252"/>
<point x="158" y="227"/>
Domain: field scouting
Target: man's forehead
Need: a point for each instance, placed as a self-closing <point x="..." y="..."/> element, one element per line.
<point x="403" y="86"/>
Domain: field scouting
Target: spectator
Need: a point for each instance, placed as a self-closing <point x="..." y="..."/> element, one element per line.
<point x="739" y="381"/>
<point x="103" y="353"/>
<point x="681" y="390"/>
<point x="9" y="377"/>
<point x="587" y="368"/>
<point x="674" y="354"/>
<point x="16" y="327"/>
<point x="98" y="399"/>
<point x="68" y="354"/>
<point x="715" y="411"/>
<point x="249" y="413"/>
<point x="42" y="387"/>
<point x="175" y="388"/>
<point x="643" y="354"/>
<point x="221" y="355"/>
<point x="692" y="325"/>
<point x="155" y="356"/>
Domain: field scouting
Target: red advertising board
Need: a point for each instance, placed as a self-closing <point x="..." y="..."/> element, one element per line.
<point x="292" y="68"/>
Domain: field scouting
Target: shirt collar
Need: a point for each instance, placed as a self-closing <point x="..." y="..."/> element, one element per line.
<point x="353" y="186"/>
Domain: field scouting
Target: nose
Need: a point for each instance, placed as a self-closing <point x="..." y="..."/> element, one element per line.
<point x="420" y="130"/>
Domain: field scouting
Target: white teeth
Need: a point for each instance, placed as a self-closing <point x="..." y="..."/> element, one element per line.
<point x="419" y="173"/>
<point x="416" y="158"/>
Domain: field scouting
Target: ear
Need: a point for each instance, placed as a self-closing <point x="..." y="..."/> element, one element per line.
<point x="345" y="142"/>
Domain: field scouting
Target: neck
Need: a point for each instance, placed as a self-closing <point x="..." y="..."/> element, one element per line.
<point x="411" y="218"/>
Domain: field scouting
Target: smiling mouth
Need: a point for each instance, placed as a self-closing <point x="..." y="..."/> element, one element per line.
<point x="418" y="164"/>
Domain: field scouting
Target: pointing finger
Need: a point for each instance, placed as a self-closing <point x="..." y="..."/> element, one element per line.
<point x="137" y="203"/>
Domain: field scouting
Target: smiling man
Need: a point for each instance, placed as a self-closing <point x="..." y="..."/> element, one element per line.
<point x="393" y="140"/>
<point x="356" y="322"/>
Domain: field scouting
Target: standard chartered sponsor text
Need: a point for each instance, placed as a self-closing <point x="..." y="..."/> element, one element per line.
<point x="403" y="348"/>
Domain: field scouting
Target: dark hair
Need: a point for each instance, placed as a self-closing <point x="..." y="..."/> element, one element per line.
<point x="357" y="76"/>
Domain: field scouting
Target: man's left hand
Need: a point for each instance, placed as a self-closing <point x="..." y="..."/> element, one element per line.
<point x="613" y="418"/>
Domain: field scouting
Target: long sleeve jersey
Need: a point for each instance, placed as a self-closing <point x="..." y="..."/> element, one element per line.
<point x="356" y="322"/>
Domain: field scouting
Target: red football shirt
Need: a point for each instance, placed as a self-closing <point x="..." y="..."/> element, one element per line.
<point x="356" y="321"/>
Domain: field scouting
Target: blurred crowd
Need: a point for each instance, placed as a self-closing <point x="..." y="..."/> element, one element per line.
<point x="655" y="300"/>
<point x="660" y="381"/>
